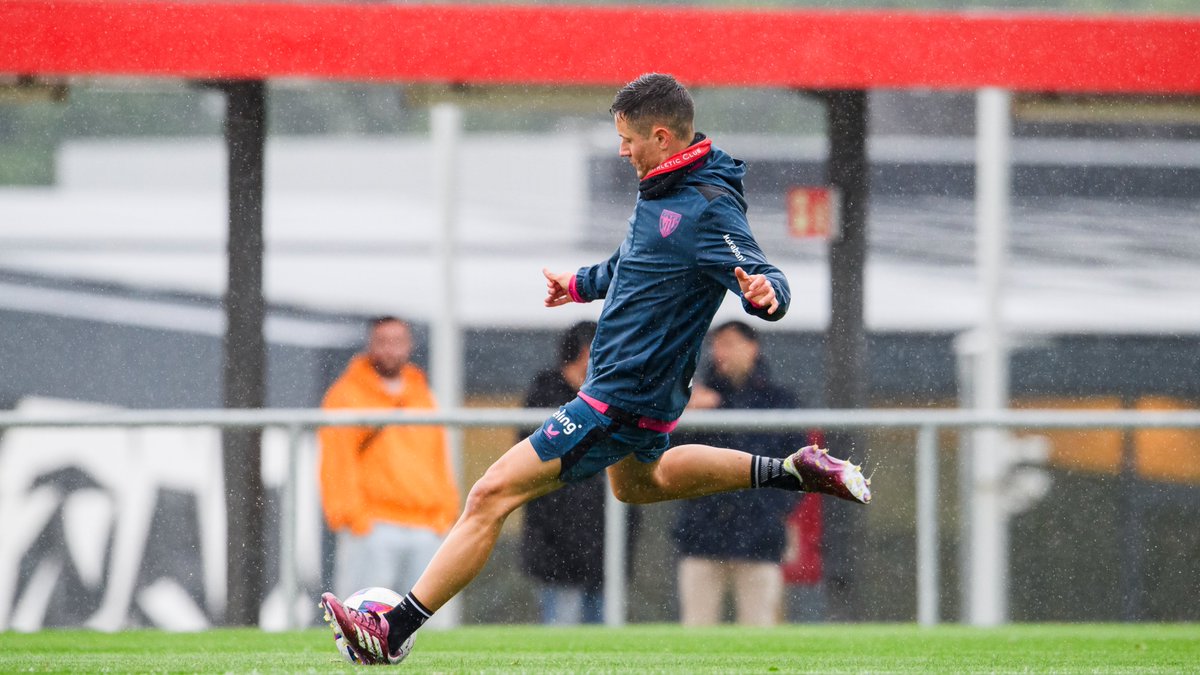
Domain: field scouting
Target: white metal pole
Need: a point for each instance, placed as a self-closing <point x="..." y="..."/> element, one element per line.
<point x="928" y="572"/>
<point x="700" y="420"/>
<point x="614" y="561"/>
<point x="966" y="349"/>
<point x="988" y="546"/>
<point x="287" y="529"/>
<point x="446" y="348"/>
<point x="993" y="187"/>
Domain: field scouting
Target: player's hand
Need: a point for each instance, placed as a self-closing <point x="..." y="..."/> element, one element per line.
<point x="757" y="289"/>
<point x="557" y="285"/>
<point x="703" y="398"/>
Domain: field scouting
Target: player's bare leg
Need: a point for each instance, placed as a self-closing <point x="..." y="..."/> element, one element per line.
<point x="516" y="478"/>
<point x="683" y="472"/>
<point x="688" y="471"/>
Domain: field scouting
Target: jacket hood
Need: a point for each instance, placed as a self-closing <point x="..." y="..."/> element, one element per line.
<point x="699" y="163"/>
<point x="724" y="171"/>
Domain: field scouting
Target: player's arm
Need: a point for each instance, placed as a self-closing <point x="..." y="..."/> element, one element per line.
<point x="589" y="283"/>
<point x="703" y="398"/>
<point x="727" y="251"/>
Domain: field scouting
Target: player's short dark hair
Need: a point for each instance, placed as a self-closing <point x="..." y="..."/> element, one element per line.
<point x="574" y="340"/>
<point x="741" y="328"/>
<point x="655" y="97"/>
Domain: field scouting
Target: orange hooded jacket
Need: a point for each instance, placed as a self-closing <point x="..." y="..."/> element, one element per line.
<point x="395" y="474"/>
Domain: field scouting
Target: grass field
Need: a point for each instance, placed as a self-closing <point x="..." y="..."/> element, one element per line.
<point x="1133" y="648"/>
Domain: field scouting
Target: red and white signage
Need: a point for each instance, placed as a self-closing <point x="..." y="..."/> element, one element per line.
<point x="813" y="212"/>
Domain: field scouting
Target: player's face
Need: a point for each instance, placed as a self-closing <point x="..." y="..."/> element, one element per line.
<point x="389" y="348"/>
<point x="644" y="151"/>
<point x="733" y="355"/>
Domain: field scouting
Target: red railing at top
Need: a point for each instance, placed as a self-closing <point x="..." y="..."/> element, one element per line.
<point x="601" y="45"/>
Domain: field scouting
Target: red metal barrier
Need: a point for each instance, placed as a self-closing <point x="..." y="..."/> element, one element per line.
<point x="603" y="46"/>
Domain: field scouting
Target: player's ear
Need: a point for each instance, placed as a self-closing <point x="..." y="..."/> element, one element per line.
<point x="662" y="137"/>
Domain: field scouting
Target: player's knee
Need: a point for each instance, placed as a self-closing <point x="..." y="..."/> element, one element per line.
<point x="492" y="496"/>
<point x="486" y="498"/>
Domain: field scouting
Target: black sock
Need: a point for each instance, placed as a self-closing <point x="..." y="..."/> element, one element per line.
<point x="768" y="472"/>
<point x="404" y="619"/>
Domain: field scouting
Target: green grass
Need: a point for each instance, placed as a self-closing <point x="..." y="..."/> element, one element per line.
<point x="1058" y="648"/>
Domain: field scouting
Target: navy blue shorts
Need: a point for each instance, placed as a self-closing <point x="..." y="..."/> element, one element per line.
<point x="588" y="442"/>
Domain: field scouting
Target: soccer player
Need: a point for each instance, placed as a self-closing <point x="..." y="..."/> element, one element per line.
<point x="688" y="243"/>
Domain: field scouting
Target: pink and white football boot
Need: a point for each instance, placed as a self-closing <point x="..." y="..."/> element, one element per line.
<point x="365" y="632"/>
<point x="819" y="471"/>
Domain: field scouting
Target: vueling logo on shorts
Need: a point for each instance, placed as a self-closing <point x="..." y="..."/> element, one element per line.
<point x="567" y="425"/>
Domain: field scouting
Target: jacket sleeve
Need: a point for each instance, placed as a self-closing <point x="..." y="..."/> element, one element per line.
<point x="591" y="283"/>
<point x="724" y="242"/>
<point x="340" y="471"/>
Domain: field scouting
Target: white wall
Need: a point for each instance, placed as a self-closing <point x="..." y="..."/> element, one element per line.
<point x="104" y="488"/>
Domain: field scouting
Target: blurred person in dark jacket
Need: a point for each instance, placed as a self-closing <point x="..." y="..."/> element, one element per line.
<point x="735" y="541"/>
<point x="563" y="534"/>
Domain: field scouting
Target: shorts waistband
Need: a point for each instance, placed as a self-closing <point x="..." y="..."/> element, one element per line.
<point x="626" y="417"/>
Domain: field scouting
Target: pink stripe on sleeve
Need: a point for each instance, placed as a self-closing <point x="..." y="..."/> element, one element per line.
<point x="574" y="292"/>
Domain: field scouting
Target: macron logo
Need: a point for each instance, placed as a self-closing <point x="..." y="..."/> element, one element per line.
<point x="549" y="431"/>
<point x="737" y="252"/>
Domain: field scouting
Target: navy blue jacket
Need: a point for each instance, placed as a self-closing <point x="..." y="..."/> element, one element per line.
<point x="746" y="524"/>
<point x="663" y="285"/>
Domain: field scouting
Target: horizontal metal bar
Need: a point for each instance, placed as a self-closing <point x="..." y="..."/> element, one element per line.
<point x="692" y="420"/>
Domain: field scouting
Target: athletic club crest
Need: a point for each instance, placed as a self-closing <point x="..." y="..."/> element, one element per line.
<point x="667" y="222"/>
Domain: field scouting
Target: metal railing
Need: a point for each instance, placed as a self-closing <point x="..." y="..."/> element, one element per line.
<point x="927" y="424"/>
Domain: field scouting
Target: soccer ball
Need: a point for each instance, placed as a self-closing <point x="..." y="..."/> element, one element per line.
<point x="376" y="600"/>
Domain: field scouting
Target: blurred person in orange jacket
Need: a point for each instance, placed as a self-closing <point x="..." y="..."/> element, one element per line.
<point x="389" y="492"/>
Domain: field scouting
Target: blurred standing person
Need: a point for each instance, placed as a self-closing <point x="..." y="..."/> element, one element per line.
<point x="389" y="492"/>
<point x="565" y="556"/>
<point x="734" y="541"/>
